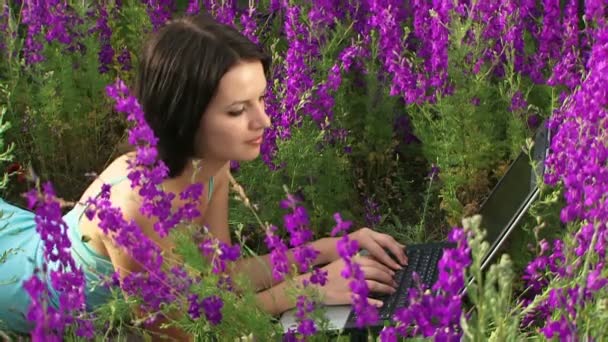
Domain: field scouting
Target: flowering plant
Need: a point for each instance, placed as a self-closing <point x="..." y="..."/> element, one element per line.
<point x="366" y="97"/>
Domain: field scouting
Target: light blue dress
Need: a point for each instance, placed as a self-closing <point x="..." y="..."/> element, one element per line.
<point x="21" y="251"/>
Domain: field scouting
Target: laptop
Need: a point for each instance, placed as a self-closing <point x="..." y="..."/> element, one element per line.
<point x="501" y="212"/>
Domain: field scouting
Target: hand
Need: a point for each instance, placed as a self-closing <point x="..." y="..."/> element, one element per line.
<point x="375" y="243"/>
<point x="378" y="277"/>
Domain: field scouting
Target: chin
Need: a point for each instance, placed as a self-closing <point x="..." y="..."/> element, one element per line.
<point x="244" y="157"/>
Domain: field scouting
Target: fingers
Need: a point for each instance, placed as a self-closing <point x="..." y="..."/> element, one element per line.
<point x="372" y="301"/>
<point x="376" y="274"/>
<point x="377" y="287"/>
<point x="375" y="302"/>
<point x="379" y="253"/>
<point x="396" y="248"/>
<point x="370" y="262"/>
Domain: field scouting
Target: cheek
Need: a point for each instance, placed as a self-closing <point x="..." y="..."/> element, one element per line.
<point x="218" y="139"/>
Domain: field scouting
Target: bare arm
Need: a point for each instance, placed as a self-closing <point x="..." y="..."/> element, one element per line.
<point x="257" y="269"/>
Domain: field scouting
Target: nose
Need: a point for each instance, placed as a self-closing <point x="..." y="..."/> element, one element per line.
<point x="260" y="120"/>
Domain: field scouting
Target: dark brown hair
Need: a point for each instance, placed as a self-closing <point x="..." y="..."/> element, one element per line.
<point x="179" y="71"/>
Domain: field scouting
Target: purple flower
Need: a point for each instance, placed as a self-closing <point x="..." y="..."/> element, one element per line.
<point x="388" y="334"/>
<point x="297" y="74"/>
<point x="567" y="70"/>
<point x="249" y="24"/>
<point x="193" y="7"/>
<point x="341" y="226"/>
<point x="318" y="277"/>
<point x="4" y="18"/>
<point x="235" y="166"/>
<point x="321" y="110"/>
<point x="224" y="11"/>
<point x="347" y="248"/>
<point x="125" y="60"/>
<point x="212" y="307"/>
<point x="33" y="16"/>
<point x="437" y="314"/>
<point x="434" y="173"/>
<point x="386" y="19"/>
<point x="518" y="102"/>
<point x="577" y="160"/>
<point x="304" y="306"/>
<point x="220" y="253"/>
<point x="562" y="328"/>
<point x="153" y="285"/>
<point x="54" y="310"/>
<point x="194" y="309"/>
<point x="159" y="11"/>
<point x="278" y="254"/>
<point x="106" y="52"/>
<point x="297" y="223"/>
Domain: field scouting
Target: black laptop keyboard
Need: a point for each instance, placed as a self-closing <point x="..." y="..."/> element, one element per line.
<point x="422" y="259"/>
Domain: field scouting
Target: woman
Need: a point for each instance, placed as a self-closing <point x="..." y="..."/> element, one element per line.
<point x="201" y="85"/>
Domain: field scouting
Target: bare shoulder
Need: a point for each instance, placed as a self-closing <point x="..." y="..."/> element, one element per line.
<point x="116" y="170"/>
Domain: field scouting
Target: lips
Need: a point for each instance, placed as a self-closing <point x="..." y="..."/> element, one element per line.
<point x="256" y="141"/>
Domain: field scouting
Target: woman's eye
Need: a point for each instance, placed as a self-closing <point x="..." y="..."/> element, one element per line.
<point x="237" y="112"/>
<point x="262" y="98"/>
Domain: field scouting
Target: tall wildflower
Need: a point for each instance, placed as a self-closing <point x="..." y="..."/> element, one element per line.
<point x="549" y="39"/>
<point x="297" y="72"/>
<point x="193" y="7"/>
<point x="32" y="16"/>
<point x="430" y="27"/>
<point x="4" y="19"/>
<point x="269" y="148"/>
<point x="278" y="253"/>
<point x="324" y="13"/>
<point x="57" y="22"/>
<point x="566" y="71"/>
<point x="53" y="309"/>
<point x="297" y="224"/>
<point x="224" y="11"/>
<point x="248" y="23"/>
<point x="385" y="17"/>
<point x="437" y="313"/>
<point x="125" y="59"/>
<point x="347" y="249"/>
<point x="514" y="14"/>
<point x="321" y="111"/>
<point x="372" y="212"/>
<point x="146" y="172"/>
<point x="159" y="11"/>
<point x="577" y="160"/>
<point x="106" y="51"/>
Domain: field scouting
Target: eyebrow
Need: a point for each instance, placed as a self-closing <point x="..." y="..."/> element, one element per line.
<point x="245" y="101"/>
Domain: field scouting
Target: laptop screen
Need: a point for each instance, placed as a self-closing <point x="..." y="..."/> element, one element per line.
<point x="507" y="198"/>
<point x="512" y="194"/>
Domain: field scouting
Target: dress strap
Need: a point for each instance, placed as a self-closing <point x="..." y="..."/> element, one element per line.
<point x="210" y="188"/>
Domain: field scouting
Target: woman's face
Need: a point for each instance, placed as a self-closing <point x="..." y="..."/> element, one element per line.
<point x="233" y="124"/>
